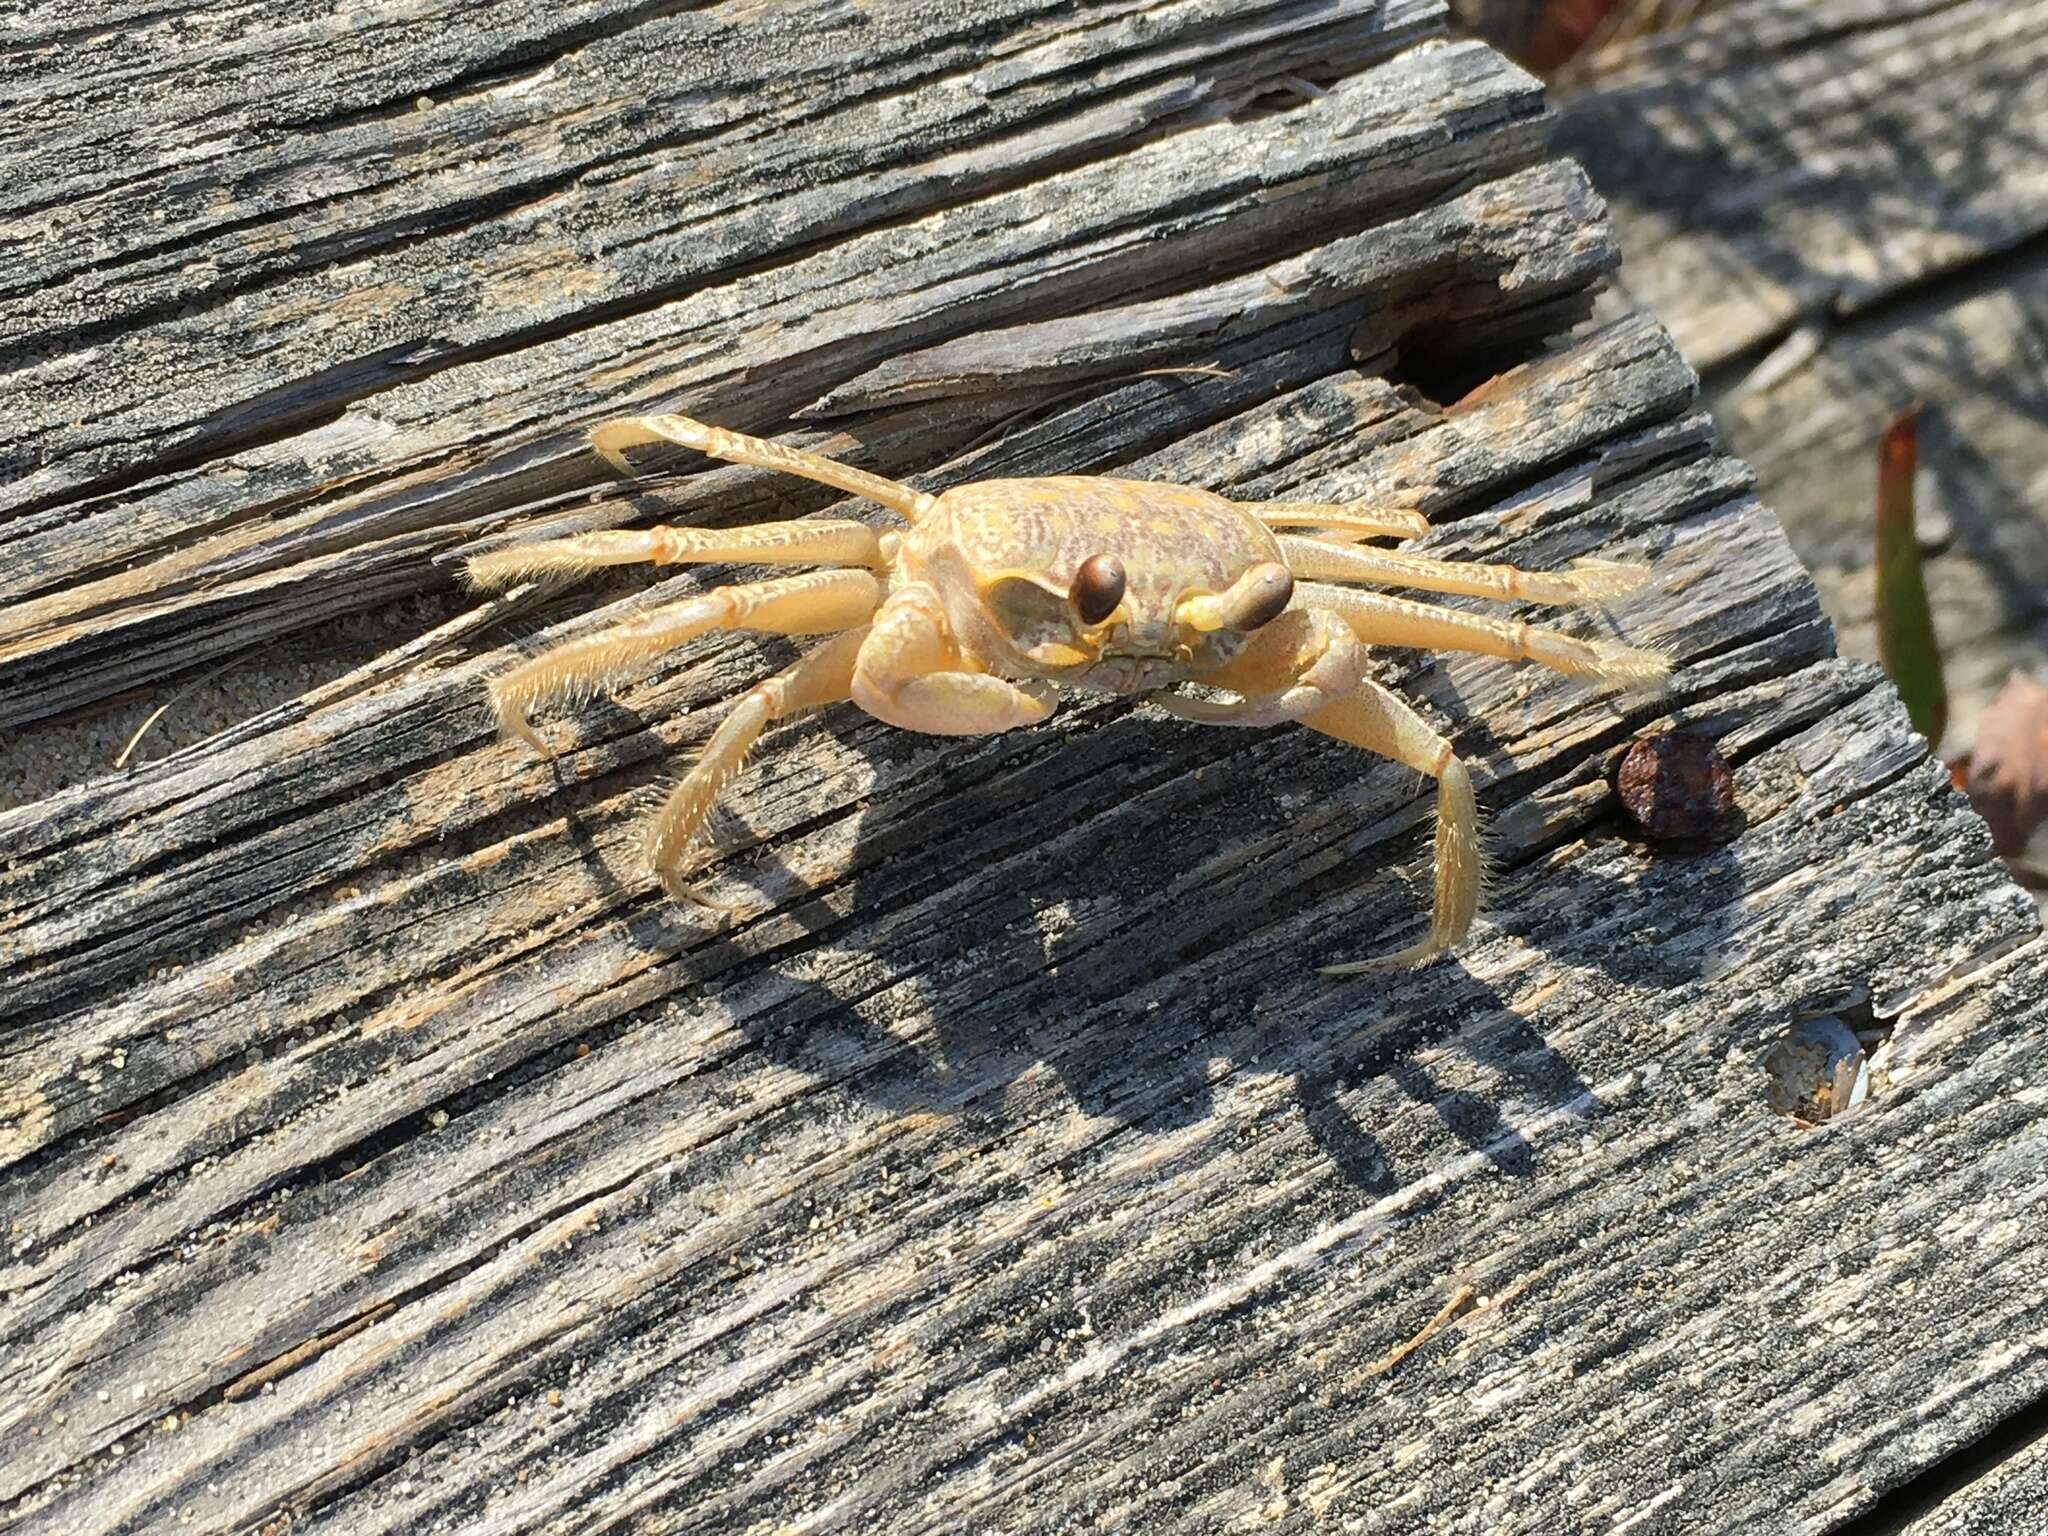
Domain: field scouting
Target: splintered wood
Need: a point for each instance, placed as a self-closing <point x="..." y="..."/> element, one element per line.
<point x="382" y="1151"/>
<point x="1423" y="1335"/>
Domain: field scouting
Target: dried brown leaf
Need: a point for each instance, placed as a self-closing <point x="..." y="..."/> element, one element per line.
<point x="2008" y="773"/>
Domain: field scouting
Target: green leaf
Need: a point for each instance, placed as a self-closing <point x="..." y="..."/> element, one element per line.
<point x="1905" y="625"/>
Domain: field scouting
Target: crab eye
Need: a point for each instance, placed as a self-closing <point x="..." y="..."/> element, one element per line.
<point x="1098" y="588"/>
<point x="1267" y="591"/>
<point x="1254" y="600"/>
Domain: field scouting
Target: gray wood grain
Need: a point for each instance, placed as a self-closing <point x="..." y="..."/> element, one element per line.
<point x="352" y="510"/>
<point x="1839" y="210"/>
<point x="380" y="1151"/>
<point x="1973" y="359"/>
<point x="1777" y="163"/>
<point x="2008" y="1497"/>
<point x="628" y="153"/>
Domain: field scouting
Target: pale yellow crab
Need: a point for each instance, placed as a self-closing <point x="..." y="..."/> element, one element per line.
<point x="964" y="622"/>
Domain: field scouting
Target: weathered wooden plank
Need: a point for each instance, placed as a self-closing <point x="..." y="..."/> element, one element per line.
<point x="499" y="435"/>
<point x="1856" y="182"/>
<point x="1971" y="357"/>
<point x="381" y="1151"/>
<point x="718" y="80"/>
<point x="2006" y="1498"/>
<point x="646" y="151"/>
<point x="891" y="1048"/>
<point x="1776" y="163"/>
<point x="1509" y="262"/>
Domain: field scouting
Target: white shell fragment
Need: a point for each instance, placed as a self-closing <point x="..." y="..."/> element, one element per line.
<point x="1823" y="1069"/>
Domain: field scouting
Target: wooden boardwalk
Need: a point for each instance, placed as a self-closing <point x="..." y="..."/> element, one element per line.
<point x="1840" y="209"/>
<point x="380" y="1151"/>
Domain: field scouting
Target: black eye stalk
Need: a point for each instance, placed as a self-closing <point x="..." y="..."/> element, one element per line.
<point x="1098" y="588"/>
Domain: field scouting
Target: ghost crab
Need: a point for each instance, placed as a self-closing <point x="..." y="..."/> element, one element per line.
<point x="962" y="623"/>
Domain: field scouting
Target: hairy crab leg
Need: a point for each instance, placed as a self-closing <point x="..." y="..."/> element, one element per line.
<point x="1354" y="522"/>
<point x="819" y="541"/>
<point x="824" y="676"/>
<point x="816" y="603"/>
<point x="615" y="437"/>
<point x="912" y="675"/>
<point x="1590" y="581"/>
<point x="1378" y="721"/>
<point x="1380" y="620"/>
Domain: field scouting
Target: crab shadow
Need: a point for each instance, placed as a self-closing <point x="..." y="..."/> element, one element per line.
<point x="1124" y="900"/>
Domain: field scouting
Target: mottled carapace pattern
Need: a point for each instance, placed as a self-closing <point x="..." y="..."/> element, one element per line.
<point x="1171" y="540"/>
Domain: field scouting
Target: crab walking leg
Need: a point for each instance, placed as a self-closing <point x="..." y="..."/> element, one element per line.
<point x="614" y="437"/>
<point x="1358" y="522"/>
<point x="1380" y="722"/>
<point x="822" y="677"/>
<point x="1380" y="620"/>
<point x="802" y="542"/>
<point x="1293" y="667"/>
<point x="913" y="675"/>
<point x="1590" y="581"/>
<point x="817" y="603"/>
